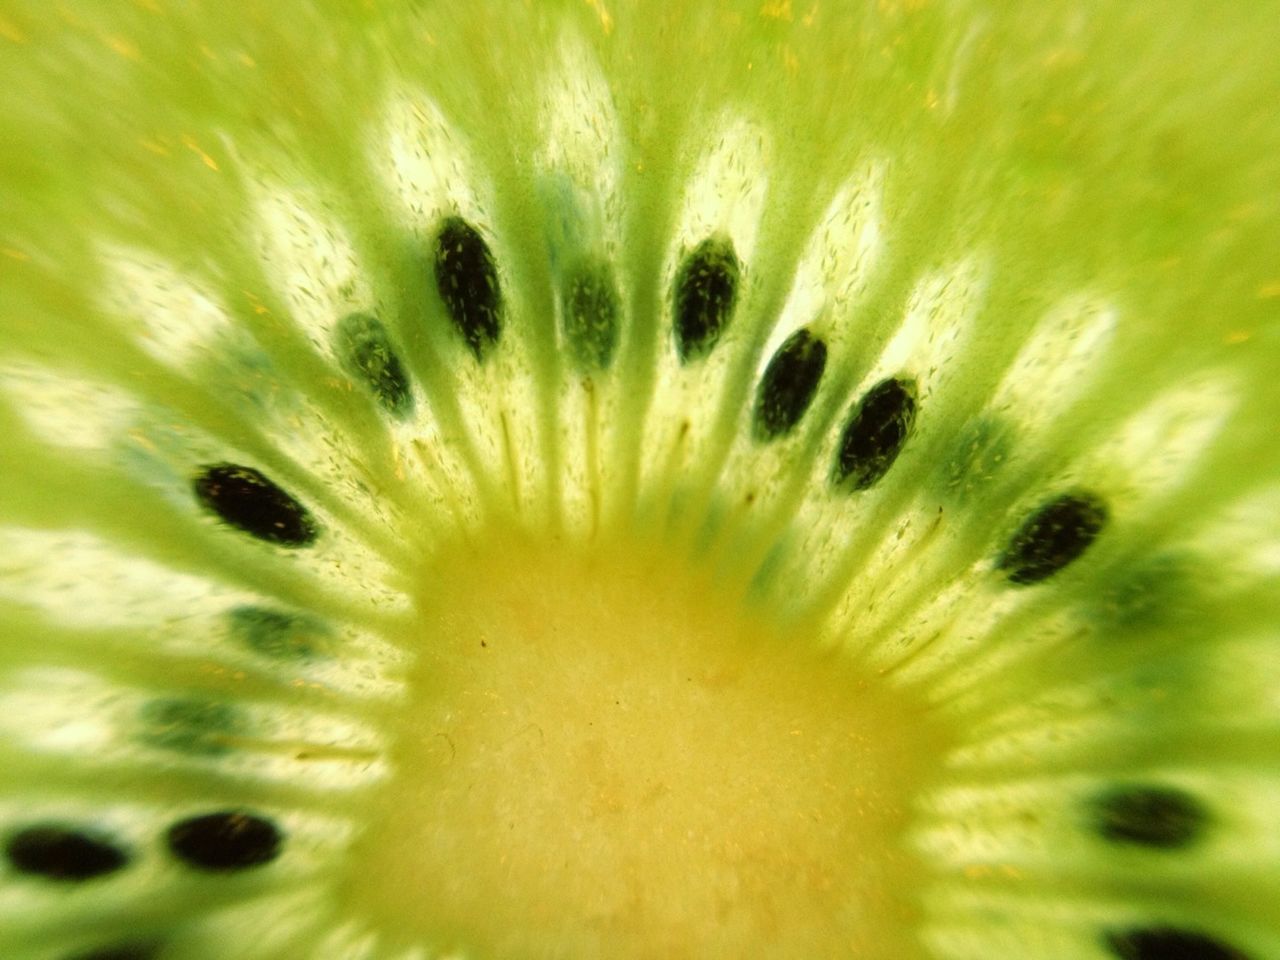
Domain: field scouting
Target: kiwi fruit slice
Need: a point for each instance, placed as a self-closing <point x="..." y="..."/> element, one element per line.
<point x="581" y="479"/>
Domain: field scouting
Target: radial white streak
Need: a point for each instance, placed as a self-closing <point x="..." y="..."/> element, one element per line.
<point x="1058" y="363"/>
<point x="1245" y="538"/>
<point x="724" y="197"/>
<point x="583" y="157"/>
<point x="1158" y="447"/>
<point x="838" y="264"/>
<point x="726" y="193"/>
<point x="84" y="581"/>
<point x="310" y="259"/>
<point x="173" y="319"/>
<point x="67" y="410"/>
<point x="430" y="168"/>
<point x="62" y="711"/>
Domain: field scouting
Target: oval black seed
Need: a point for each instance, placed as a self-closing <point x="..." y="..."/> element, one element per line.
<point x="788" y="385"/>
<point x="876" y="432"/>
<point x="1169" y="943"/>
<point x="365" y="350"/>
<point x="202" y="727"/>
<point x="225" y="841"/>
<point x="467" y="279"/>
<point x="591" y="310"/>
<point x="245" y="499"/>
<point x="122" y="951"/>
<point x="1148" y="816"/>
<point x="57" y="852"/>
<point x="277" y="634"/>
<point x="706" y="291"/>
<point x="1055" y="535"/>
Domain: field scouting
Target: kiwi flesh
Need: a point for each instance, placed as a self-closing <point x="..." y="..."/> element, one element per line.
<point x="627" y="479"/>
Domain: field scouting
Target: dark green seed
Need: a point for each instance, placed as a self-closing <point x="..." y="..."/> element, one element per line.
<point x="706" y="291"/>
<point x="1148" y="816"/>
<point x="1053" y="536"/>
<point x="277" y="634"/>
<point x="789" y="383"/>
<point x="225" y="841"/>
<point x="191" y="726"/>
<point x="467" y="279"/>
<point x="875" y="434"/>
<point x="1169" y="943"/>
<point x="981" y="449"/>
<point x="592" y="307"/>
<point x="366" y="352"/>
<point x="246" y="499"/>
<point x="1154" y="592"/>
<point x="57" y="852"/>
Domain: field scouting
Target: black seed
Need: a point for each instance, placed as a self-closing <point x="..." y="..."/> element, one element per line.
<point x="224" y="841"/>
<point x="63" y="853"/>
<point x="365" y="349"/>
<point x="876" y="432"/>
<point x="467" y="279"/>
<point x="191" y="726"/>
<point x="706" y="291"/>
<point x="1056" y="534"/>
<point x="591" y="310"/>
<point x="1168" y="943"/>
<point x="788" y="385"/>
<point x="245" y="499"/>
<point x="277" y="634"/>
<point x="123" y="951"/>
<point x="1148" y="816"/>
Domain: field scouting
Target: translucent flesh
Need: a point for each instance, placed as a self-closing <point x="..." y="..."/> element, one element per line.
<point x="1059" y="221"/>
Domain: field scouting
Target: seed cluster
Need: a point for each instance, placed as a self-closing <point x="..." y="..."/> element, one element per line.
<point x="225" y="840"/>
<point x="221" y="842"/>
<point x="704" y="295"/>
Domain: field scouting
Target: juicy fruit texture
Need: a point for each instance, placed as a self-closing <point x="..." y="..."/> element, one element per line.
<point x="385" y="390"/>
<point x="641" y="769"/>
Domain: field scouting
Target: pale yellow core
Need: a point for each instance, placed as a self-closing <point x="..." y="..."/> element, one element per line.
<point x="605" y="756"/>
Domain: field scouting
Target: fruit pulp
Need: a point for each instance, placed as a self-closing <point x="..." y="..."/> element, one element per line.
<point x="603" y="753"/>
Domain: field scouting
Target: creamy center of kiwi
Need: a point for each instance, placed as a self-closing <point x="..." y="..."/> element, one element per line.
<point x="604" y="754"/>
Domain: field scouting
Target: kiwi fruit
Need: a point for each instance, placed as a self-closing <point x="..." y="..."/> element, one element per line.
<point x="613" y="479"/>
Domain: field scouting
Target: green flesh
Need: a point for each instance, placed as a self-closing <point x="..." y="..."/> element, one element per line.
<point x="1060" y="223"/>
